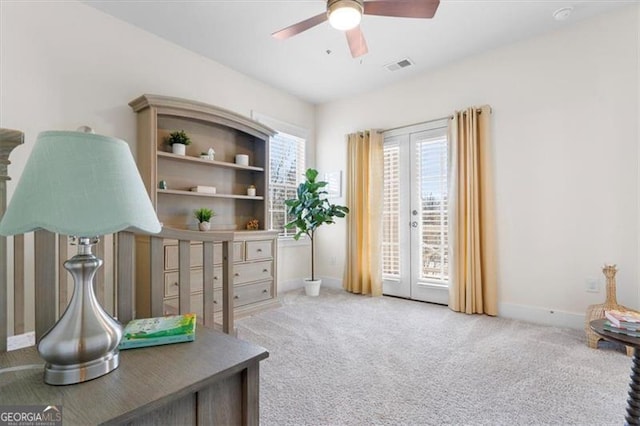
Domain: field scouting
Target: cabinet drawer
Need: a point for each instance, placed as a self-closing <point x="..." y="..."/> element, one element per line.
<point x="217" y="300"/>
<point x="237" y="252"/>
<point x="171" y="287"/>
<point x="252" y="293"/>
<point x="256" y="250"/>
<point x="217" y="253"/>
<point x="246" y="294"/>
<point x="171" y="256"/>
<point x="249" y="272"/>
<point x="170" y="306"/>
<point x="217" y="277"/>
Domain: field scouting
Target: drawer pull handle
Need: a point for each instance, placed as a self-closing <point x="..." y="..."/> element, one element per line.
<point x="215" y="278"/>
<point x="236" y="274"/>
<point x="265" y="291"/>
<point x="259" y="250"/>
<point x="236" y="297"/>
<point x="175" y="284"/>
<point x="215" y="302"/>
<point x="265" y="270"/>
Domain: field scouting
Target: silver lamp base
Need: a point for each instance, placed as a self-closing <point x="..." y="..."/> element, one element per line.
<point x="83" y="344"/>
<point x="69" y="374"/>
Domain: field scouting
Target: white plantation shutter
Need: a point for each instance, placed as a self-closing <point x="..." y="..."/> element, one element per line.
<point x="391" y="212"/>
<point x="286" y="171"/>
<point x="431" y="156"/>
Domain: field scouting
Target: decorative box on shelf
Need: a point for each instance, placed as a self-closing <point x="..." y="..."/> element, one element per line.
<point x="204" y="189"/>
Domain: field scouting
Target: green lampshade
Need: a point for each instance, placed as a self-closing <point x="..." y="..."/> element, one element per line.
<point x="79" y="184"/>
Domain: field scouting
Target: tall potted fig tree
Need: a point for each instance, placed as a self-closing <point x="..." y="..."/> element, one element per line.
<point x="310" y="210"/>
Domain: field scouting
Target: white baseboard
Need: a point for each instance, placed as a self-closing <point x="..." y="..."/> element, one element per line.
<point x="541" y="316"/>
<point x="332" y="283"/>
<point x="284" y="286"/>
<point x="526" y="313"/>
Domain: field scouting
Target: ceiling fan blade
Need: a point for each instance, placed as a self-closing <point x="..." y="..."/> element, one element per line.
<point x="357" y="43"/>
<point x="300" y="27"/>
<point x="402" y="8"/>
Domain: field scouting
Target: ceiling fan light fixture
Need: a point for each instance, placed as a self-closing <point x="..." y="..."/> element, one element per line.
<point x="345" y="14"/>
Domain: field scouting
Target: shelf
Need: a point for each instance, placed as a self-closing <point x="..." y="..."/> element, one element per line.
<point x="229" y="134"/>
<point x="197" y="160"/>
<point x="202" y="194"/>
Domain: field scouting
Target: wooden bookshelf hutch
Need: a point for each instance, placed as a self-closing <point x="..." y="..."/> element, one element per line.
<point x="253" y="251"/>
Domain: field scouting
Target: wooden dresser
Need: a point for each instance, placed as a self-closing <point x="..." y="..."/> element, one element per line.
<point x="253" y="274"/>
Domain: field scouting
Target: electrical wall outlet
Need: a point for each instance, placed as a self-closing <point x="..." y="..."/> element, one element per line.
<point x="592" y="285"/>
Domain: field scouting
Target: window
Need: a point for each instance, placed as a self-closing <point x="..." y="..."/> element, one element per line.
<point x="287" y="153"/>
<point x="286" y="171"/>
<point x="432" y="175"/>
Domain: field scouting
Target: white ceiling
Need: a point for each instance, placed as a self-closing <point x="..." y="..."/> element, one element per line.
<point x="237" y="33"/>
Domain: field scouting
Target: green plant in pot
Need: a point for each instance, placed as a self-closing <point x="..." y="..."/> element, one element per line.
<point x="310" y="210"/>
<point x="178" y="141"/>
<point x="204" y="216"/>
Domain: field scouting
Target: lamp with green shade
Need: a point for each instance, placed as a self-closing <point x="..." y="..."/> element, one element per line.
<point x="82" y="185"/>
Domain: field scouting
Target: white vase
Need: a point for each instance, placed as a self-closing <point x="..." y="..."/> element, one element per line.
<point x="179" y="148"/>
<point x="204" y="226"/>
<point x="312" y="287"/>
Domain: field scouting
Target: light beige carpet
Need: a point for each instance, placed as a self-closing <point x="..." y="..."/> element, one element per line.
<point x="342" y="359"/>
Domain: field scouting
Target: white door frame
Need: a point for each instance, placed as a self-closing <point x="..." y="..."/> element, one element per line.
<point x="409" y="284"/>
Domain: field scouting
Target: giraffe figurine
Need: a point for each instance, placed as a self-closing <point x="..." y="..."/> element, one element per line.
<point x="597" y="311"/>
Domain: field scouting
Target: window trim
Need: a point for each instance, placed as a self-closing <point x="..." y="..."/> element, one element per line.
<point x="282" y="126"/>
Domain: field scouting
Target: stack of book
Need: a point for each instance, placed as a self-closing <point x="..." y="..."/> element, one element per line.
<point x="624" y="322"/>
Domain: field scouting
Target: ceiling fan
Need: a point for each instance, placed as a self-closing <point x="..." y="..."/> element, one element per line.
<point x="345" y="15"/>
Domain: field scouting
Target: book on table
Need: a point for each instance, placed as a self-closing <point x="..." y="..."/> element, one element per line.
<point x="144" y="332"/>
<point x="623" y="319"/>
<point x="633" y="332"/>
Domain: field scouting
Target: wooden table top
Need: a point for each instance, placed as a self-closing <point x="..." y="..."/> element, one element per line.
<point x="146" y="378"/>
<point x="598" y="327"/>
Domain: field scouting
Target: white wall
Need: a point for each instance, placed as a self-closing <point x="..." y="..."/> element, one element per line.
<point x="65" y="64"/>
<point x="565" y="135"/>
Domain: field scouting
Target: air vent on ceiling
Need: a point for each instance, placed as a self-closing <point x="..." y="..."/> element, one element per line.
<point x="402" y="63"/>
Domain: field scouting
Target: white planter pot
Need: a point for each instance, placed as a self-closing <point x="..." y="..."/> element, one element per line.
<point x="204" y="226"/>
<point x="179" y="148"/>
<point x="312" y="288"/>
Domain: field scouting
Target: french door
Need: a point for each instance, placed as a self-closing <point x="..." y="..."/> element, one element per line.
<point x="415" y="252"/>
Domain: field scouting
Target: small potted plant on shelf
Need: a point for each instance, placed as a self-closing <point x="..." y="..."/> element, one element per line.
<point x="310" y="210"/>
<point x="204" y="216"/>
<point x="178" y="141"/>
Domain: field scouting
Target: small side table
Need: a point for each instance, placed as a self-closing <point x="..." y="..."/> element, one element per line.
<point x="597" y="311"/>
<point x="633" y="402"/>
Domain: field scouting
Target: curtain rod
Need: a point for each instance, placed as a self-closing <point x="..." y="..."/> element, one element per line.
<point x="448" y="117"/>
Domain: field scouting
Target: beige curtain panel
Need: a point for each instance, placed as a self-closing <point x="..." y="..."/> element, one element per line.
<point x="363" y="270"/>
<point x="473" y="287"/>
